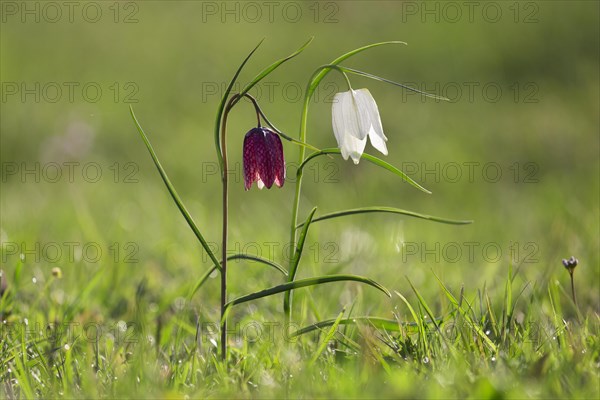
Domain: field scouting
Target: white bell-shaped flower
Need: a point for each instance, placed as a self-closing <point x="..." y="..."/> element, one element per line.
<point x="355" y="116"/>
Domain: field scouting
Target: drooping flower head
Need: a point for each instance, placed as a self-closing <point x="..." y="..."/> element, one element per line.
<point x="263" y="159"/>
<point x="356" y="116"/>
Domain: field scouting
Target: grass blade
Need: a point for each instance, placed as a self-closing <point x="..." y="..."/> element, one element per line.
<point x="377" y="161"/>
<point x="306" y="282"/>
<point x="327" y="338"/>
<point x="381" y="209"/>
<point x="173" y="192"/>
<point x="467" y="317"/>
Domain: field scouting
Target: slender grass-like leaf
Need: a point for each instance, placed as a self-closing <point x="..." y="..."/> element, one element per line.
<point x="381" y="323"/>
<point x="377" y="161"/>
<point x="283" y="135"/>
<point x="418" y="321"/>
<point x="287" y="300"/>
<point x="300" y="246"/>
<point x="215" y="267"/>
<point x="422" y="302"/>
<point x="201" y="281"/>
<point x="378" y="78"/>
<point x="317" y="79"/>
<point x="173" y="192"/>
<point x="376" y="209"/>
<point x="265" y="72"/>
<point x="260" y="260"/>
<point x="221" y="108"/>
<point x="327" y="338"/>
<point x="306" y="282"/>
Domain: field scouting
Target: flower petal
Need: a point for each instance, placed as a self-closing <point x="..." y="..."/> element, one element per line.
<point x="353" y="147"/>
<point x="345" y="116"/>
<point x="346" y="128"/>
<point x="368" y="106"/>
<point x="251" y="143"/>
<point x="361" y="104"/>
<point x="275" y="158"/>
<point x="378" y="142"/>
<point x="370" y="119"/>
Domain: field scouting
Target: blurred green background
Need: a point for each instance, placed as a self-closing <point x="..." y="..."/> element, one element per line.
<point x="522" y="77"/>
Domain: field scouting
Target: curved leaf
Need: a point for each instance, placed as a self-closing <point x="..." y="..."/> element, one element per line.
<point x="287" y="300"/>
<point x="377" y="161"/>
<point x="382" y="323"/>
<point x="222" y="106"/>
<point x="306" y="282"/>
<point x="366" y="210"/>
<point x="260" y="260"/>
<point x="327" y="338"/>
<point x="317" y="79"/>
<point x="202" y="280"/>
<point x="234" y="257"/>
<point x="378" y="78"/>
<point x="273" y="67"/>
<point x="173" y="192"/>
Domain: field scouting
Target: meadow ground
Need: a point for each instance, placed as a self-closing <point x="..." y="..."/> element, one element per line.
<point x="99" y="263"/>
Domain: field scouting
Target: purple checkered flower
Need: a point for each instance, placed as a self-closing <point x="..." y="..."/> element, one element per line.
<point x="263" y="159"/>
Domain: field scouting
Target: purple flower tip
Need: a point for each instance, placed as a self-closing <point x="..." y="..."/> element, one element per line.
<point x="263" y="159"/>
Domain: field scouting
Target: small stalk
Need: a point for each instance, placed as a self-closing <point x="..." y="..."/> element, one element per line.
<point x="225" y="181"/>
<point x="570" y="265"/>
<point x="573" y="289"/>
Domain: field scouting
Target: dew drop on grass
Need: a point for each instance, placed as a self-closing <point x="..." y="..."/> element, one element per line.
<point x="425" y="360"/>
<point x="488" y="332"/>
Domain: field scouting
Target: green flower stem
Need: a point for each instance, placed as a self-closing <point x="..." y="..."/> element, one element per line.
<point x="317" y="76"/>
<point x="225" y="182"/>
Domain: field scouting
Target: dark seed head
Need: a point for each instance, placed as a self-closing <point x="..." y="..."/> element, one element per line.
<point x="570" y="264"/>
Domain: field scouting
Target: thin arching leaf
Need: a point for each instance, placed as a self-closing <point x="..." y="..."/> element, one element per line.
<point x="221" y="108"/>
<point x="260" y="260"/>
<point x="327" y="338"/>
<point x="273" y="67"/>
<point x="215" y="267"/>
<point x="300" y="283"/>
<point x="377" y="161"/>
<point x="378" y="78"/>
<point x="381" y="323"/>
<point x="173" y="192"/>
<point x="201" y="281"/>
<point x="287" y="300"/>
<point x="317" y="79"/>
<point x="392" y="210"/>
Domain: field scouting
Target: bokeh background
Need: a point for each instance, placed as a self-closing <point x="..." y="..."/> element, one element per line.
<point x="516" y="149"/>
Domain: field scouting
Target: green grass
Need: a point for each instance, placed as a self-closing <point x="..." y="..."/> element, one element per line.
<point x="122" y="323"/>
<point x="523" y="340"/>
